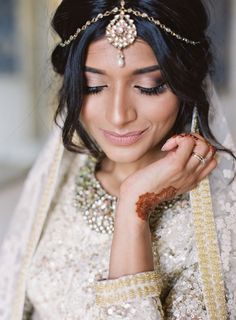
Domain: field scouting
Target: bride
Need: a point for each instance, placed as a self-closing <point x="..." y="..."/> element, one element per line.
<point x="129" y="211"/>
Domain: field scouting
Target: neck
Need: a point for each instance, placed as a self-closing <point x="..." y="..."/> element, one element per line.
<point x="118" y="172"/>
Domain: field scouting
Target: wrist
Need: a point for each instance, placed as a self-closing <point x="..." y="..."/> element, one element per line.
<point x="126" y="216"/>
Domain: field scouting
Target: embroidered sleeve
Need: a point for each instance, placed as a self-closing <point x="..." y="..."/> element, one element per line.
<point x="185" y="299"/>
<point x="132" y="296"/>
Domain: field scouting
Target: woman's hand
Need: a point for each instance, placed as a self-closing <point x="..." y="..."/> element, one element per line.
<point x="178" y="169"/>
<point x="131" y="250"/>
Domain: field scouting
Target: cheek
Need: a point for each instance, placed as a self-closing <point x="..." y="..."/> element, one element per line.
<point x="164" y="111"/>
<point x="89" y="114"/>
<point x="93" y="110"/>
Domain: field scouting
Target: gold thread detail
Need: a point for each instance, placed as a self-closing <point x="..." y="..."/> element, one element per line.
<point x="208" y="252"/>
<point x="130" y="294"/>
<point x="126" y="282"/>
<point x="141" y="285"/>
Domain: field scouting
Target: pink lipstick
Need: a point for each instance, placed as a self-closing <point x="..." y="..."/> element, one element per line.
<point x="123" y="139"/>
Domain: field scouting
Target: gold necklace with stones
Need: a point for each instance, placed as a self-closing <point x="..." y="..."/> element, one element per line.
<point x="98" y="207"/>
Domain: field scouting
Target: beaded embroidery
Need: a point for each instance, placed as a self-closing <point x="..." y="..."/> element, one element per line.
<point x="97" y="206"/>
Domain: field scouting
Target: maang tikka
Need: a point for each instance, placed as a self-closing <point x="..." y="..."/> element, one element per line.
<point x="121" y="32"/>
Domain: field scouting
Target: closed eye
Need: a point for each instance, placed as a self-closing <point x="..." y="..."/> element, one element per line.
<point x="94" y="90"/>
<point x="153" y="91"/>
<point x="147" y="91"/>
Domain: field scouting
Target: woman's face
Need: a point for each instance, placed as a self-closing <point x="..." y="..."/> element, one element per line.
<point x="129" y="110"/>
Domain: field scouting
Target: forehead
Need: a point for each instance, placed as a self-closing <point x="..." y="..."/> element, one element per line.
<point x="101" y="54"/>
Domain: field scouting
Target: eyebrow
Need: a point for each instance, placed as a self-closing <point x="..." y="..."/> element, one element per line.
<point x="136" y="72"/>
<point x="146" y="70"/>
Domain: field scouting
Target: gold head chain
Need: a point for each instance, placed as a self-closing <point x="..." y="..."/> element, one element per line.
<point x="121" y="31"/>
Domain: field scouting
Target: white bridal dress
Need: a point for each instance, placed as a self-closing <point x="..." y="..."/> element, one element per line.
<point x="54" y="262"/>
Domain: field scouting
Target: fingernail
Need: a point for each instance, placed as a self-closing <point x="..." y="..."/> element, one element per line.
<point x="165" y="146"/>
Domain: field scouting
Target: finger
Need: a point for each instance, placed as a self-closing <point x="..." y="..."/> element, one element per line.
<point x="211" y="153"/>
<point x="172" y="142"/>
<point x="208" y="169"/>
<point x="201" y="149"/>
<point x="200" y="139"/>
<point x="183" y="147"/>
<point x="208" y="158"/>
<point x="198" y="136"/>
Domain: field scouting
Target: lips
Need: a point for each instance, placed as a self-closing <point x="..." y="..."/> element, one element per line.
<point x="123" y="139"/>
<point x="133" y="133"/>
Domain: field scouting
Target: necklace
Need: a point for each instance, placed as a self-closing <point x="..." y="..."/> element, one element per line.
<point x="98" y="206"/>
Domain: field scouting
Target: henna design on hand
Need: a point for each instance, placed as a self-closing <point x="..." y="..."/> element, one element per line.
<point x="211" y="147"/>
<point x="189" y="135"/>
<point x="149" y="200"/>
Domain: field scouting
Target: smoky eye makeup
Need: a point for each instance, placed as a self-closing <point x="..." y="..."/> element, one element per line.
<point x="149" y="81"/>
<point x="93" y="90"/>
<point x="144" y="85"/>
<point x="151" y="86"/>
<point x="157" y="90"/>
<point x="93" y="84"/>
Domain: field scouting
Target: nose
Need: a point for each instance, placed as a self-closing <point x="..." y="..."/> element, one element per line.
<point x="120" y="110"/>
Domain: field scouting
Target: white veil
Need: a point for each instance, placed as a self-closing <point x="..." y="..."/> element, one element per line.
<point x="214" y="213"/>
<point x="224" y="196"/>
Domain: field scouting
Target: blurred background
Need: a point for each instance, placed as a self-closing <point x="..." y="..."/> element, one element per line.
<point x="28" y="86"/>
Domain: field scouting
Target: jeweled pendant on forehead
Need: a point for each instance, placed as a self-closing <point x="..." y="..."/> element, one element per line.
<point x="121" y="32"/>
<point x="121" y="60"/>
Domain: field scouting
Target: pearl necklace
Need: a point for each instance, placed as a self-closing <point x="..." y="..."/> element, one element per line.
<point x="97" y="206"/>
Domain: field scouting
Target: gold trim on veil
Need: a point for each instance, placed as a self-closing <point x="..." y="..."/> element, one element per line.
<point x="207" y="246"/>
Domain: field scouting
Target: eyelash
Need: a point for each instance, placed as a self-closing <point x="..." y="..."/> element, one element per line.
<point x="94" y="90"/>
<point x="147" y="91"/>
<point x="153" y="91"/>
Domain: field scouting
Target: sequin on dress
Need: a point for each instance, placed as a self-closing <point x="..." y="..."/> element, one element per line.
<point x="71" y="257"/>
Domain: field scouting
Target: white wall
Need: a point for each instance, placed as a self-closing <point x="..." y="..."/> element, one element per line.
<point x="25" y="107"/>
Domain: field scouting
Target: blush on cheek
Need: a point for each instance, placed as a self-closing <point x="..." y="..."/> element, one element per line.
<point x="164" y="117"/>
<point x="87" y="115"/>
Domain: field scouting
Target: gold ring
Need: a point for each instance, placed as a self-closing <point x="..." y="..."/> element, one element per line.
<point x="199" y="157"/>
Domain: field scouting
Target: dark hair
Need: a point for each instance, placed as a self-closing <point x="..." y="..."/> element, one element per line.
<point x="183" y="66"/>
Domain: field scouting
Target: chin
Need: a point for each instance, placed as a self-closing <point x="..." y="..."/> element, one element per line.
<point x="125" y="155"/>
